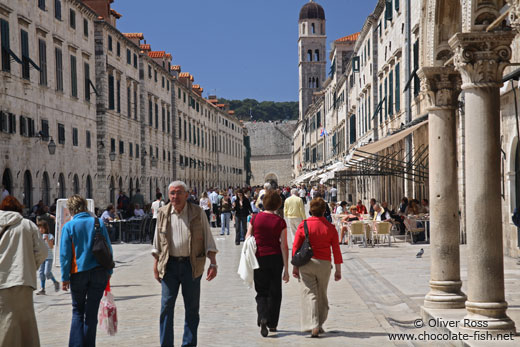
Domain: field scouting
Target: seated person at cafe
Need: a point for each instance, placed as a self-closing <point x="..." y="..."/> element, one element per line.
<point x="138" y="211"/>
<point x="380" y="214"/>
<point x="342" y="208"/>
<point x="425" y="205"/>
<point x="352" y="216"/>
<point x="361" y="209"/>
<point x="108" y="216"/>
<point x="413" y="208"/>
<point x="371" y="210"/>
<point x="333" y="207"/>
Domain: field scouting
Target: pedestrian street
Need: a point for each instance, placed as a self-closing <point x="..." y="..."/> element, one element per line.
<point x="375" y="297"/>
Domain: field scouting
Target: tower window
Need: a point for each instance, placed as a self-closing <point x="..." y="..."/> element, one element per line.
<point x="313" y="28"/>
<point x="303" y="29"/>
<point x="317" y="55"/>
<point x="309" y="55"/>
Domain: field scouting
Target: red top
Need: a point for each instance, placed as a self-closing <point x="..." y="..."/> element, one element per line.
<point x="361" y="209"/>
<point x="322" y="236"/>
<point x="267" y="229"/>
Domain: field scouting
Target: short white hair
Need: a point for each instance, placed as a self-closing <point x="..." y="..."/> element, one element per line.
<point x="267" y="185"/>
<point x="294" y="191"/>
<point x="178" y="184"/>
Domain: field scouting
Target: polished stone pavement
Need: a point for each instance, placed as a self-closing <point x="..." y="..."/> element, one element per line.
<point x="380" y="293"/>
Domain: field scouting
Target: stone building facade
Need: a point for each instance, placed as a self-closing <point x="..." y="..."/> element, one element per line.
<point x="87" y="109"/>
<point x="271" y="151"/>
<point x="431" y="113"/>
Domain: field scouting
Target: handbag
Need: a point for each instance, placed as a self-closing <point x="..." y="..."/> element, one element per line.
<point x="100" y="248"/>
<point x="304" y="254"/>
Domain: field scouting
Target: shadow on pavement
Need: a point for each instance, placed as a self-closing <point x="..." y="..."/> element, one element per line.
<point x="124" y="298"/>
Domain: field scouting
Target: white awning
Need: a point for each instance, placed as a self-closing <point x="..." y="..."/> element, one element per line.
<point x="386" y="142"/>
<point x="304" y="177"/>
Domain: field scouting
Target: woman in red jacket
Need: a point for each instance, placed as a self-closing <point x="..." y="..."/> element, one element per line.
<point x="316" y="273"/>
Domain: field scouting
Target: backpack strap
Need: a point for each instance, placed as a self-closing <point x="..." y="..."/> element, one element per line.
<point x="306" y="230"/>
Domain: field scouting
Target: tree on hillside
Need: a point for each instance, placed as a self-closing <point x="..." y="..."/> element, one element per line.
<point x="262" y="111"/>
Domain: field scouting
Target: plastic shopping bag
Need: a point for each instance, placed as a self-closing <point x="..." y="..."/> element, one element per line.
<point x="107" y="315"/>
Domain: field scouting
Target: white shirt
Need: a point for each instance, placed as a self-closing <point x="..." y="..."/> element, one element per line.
<point x="339" y="210"/>
<point x="139" y="212"/>
<point x="213" y="197"/>
<point x="156" y="205"/>
<point x="302" y="193"/>
<point x="333" y="191"/>
<point x="204" y="203"/>
<point x="313" y="192"/>
<point x="4" y="194"/>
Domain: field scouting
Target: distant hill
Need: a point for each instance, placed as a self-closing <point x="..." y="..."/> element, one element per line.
<point x="262" y="111"/>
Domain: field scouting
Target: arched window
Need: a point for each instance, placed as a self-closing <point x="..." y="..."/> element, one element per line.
<point x="7" y="181"/>
<point x="112" y="191"/>
<point x="27" y="189"/>
<point x="75" y="184"/>
<point x="62" y="189"/>
<point x="46" y="189"/>
<point x="151" y="191"/>
<point x="313" y="28"/>
<point x="303" y="28"/>
<point x="317" y="82"/>
<point x="317" y="55"/>
<point x="309" y="55"/>
<point x="322" y="32"/>
<point x="89" y="187"/>
<point x="120" y="184"/>
<point x="310" y="82"/>
<point x="137" y="184"/>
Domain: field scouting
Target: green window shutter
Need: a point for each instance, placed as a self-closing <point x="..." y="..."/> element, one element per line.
<point x="355" y="64"/>
<point x="380" y="99"/>
<point x="388" y="11"/>
<point x="391" y="93"/>
<point x="397" y="86"/>
<point x="73" y="77"/>
<point x="386" y="98"/>
<point x="396" y="5"/>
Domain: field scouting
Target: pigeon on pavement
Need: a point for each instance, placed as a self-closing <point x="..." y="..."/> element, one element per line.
<point x="419" y="255"/>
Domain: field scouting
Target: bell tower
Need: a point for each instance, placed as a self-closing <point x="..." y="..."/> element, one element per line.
<point x="312" y="60"/>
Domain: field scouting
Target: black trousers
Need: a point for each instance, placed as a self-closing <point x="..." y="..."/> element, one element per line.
<point x="268" y="286"/>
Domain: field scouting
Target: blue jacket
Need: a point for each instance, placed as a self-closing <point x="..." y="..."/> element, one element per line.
<point x="77" y="239"/>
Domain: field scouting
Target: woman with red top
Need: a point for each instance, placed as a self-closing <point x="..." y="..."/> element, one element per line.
<point x="270" y="233"/>
<point x="315" y="274"/>
<point x="361" y="209"/>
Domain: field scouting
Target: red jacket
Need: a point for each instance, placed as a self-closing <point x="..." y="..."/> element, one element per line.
<point x="322" y="236"/>
<point x="361" y="209"/>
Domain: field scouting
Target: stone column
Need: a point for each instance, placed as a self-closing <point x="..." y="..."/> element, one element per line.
<point x="442" y="87"/>
<point x="481" y="58"/>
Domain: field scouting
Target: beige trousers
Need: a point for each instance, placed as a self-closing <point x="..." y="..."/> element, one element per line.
<point x="292" y="226"/>
<point x="315" y="305"/>
<point x="17" y="320"/>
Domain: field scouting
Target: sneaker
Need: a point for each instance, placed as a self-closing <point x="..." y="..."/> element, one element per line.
<point x="41" y="292"/>
<point x="56" y="286"/>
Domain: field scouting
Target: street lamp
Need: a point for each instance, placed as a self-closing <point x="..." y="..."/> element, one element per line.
<point x="112" y="156"/>
<point x="51" y="147"/>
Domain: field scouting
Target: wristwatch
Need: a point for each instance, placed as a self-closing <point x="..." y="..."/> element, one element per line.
<point x="213" y="265"/>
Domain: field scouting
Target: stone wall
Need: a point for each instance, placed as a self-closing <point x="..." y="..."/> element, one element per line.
<point x="271" y="151"/>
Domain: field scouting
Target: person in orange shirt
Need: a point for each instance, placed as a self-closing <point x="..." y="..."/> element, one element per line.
<point x="361" y="209"/>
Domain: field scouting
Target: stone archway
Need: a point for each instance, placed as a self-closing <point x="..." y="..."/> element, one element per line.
<point x="7" y="181"/>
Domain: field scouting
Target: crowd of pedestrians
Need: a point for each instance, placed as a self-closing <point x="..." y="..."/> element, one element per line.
<point x="274" y="216"/>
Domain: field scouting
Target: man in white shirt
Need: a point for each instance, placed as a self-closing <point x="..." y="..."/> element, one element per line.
<point x="259" y="201"/>
<point x="156" y="205"/>
<point x="213" y="197"/>
<point x="302" y="192"/>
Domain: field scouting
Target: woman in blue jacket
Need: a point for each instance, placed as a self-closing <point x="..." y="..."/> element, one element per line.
<point x="80" y="270"/>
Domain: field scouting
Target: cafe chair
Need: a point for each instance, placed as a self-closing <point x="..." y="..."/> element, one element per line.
<point x="411" y="228"/>
<point x="357" y="229"/>
<point x="383" y="229"/>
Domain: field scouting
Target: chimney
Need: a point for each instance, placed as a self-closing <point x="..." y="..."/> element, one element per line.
<point x="101" y="7"/>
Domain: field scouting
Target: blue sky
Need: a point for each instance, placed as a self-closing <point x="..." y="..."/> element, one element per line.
<point x="237" y="48"/>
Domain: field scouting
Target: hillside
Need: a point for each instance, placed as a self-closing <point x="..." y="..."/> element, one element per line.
<point x="262" y="111"/>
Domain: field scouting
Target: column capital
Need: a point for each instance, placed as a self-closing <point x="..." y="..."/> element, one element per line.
<point x="481" y="57"/>
<point x="441" y="85"/>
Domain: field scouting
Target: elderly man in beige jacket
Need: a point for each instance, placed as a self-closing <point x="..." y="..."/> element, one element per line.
<point x="294" y="211"/>
<point x="21" y="254"/>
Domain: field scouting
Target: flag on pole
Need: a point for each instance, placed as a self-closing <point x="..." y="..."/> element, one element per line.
<point x="323" y="132"/>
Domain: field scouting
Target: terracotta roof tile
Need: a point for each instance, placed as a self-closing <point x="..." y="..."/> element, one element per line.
<point x="168" y="56"/>
<point x="352" y="37"/>
<point x="231" y="112"/>
<point x="184" y="75"/>
<point x="145" y="47"/>
<point x="176" y="68"/>
<point x="221" y="105"/>
<point x="139" y="36"/>
<point x="156" y="54"/>
<point x="115" y="13"/>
